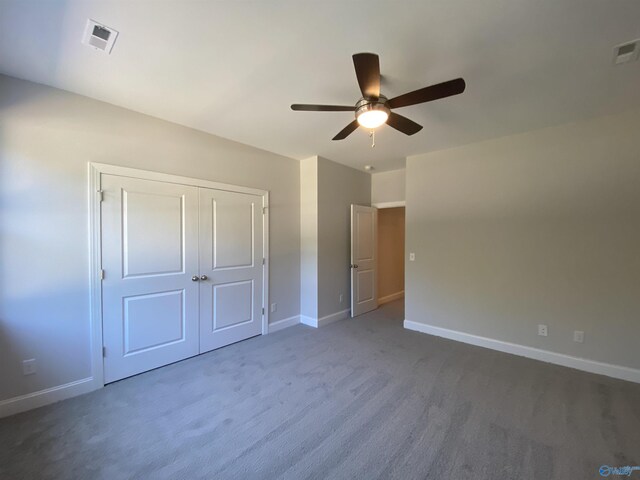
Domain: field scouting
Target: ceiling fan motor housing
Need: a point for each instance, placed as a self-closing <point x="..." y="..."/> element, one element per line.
<point x="369" y="104"/>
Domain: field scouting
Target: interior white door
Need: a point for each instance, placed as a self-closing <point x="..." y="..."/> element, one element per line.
<point x="150" y="253"/>
<point x="231" y="267"/>
<point x="364" y="233"/>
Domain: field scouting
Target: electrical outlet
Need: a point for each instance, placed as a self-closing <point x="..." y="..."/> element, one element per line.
<point x="542" y="330"/>
<point x="29" y="366"/>
<point x="578" y="336"/>
<point x="412" y="257"/>
<point x="341" y="297"/>
<point x="274" y="307"/>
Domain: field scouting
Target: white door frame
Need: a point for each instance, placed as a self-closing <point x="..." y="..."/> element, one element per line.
<point x="96" y="170"/>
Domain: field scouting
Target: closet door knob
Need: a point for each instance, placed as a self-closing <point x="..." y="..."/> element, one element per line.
<point x="203" y="277"/>
<point x="195" y="278"/>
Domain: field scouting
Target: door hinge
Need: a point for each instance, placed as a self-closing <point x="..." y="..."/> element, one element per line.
<point x="101" y="274"/>
<point x="264" y="210"/>
<point x="100" y="195"/>
<point x="264" y="261"/>
<point x="104" y="351"/>
<point x="263" y="311"/>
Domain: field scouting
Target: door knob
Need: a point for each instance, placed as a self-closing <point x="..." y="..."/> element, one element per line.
<point x="195" y="278"/>
<point x="203" y="277"/>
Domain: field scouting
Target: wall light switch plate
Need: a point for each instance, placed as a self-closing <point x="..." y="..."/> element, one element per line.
<point x="274" y="307"/>
<point x="578" y="336"/>
<point x="412" y="257"/>
<point x="542" y="330"/>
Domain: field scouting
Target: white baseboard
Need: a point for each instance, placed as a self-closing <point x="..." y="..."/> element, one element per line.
<point x="321" y="322"/>
<point x="284" y="323"/>
<point x="390" y="298"/>
<point x="41" y="398"/>
<point x="592" y="366"/>
<point x="310" y="321"/>
<point x="334" y="317"/>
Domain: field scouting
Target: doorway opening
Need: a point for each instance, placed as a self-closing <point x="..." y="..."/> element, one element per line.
<point x="391" y="233"/>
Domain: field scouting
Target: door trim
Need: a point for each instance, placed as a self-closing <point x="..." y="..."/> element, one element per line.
<point x="399" y="203"/>
<point x="96" y="170"/>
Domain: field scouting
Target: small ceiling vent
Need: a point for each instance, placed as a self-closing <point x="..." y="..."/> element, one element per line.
<point x="99" y="36"/>
<point x="627" y="52"/>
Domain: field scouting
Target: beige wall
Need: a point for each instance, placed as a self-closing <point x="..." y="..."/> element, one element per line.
<point x="328" y="190"/>
<point x="309" y="237"/>
<point x="338" y="188"/>
<point x="47" y="136"/>
<point x="387" y="187"/>
<point x="390" y="252"/>
<point x="537" y="228"/>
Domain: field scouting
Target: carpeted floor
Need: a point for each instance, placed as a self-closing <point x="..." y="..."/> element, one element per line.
<point x="360" y="398"/>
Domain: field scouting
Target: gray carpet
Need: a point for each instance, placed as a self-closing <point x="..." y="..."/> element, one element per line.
<point x="359" y="398"/>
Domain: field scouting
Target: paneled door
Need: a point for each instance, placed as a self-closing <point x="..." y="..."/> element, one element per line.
<point x="149" y="259"/>
<point x="231" y="267"/>
<point x="364" y="234"/>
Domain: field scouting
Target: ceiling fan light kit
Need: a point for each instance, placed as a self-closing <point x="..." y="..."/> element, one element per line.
<point x="374" y="109"/>
<point x="372" y="113"/>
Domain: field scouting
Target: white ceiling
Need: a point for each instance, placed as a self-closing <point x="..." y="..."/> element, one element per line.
<point x="232" y="68"/>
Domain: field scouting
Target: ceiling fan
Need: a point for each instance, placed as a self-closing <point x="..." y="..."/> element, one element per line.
<point x="374" y="109"/>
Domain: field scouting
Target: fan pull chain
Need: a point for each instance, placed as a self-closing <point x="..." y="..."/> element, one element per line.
<point x="372" y="134"/>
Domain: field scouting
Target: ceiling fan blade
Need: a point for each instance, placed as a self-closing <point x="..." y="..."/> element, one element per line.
<point x="302" y="107"/>
<point x="346" y="131"/>
<point x="427" y="94"/>
<point x="367" y="67"/>
<point x="403" y="124"/>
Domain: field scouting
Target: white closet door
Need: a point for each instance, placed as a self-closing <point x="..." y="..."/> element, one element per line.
<point x="231" y="253"/>
<point x="150" y="253"/>
<point x="364" y="234"/>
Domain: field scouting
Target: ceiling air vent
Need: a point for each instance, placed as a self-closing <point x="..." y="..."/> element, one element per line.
<point x="99" y="36"/>
<point x="627" y="52"/>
